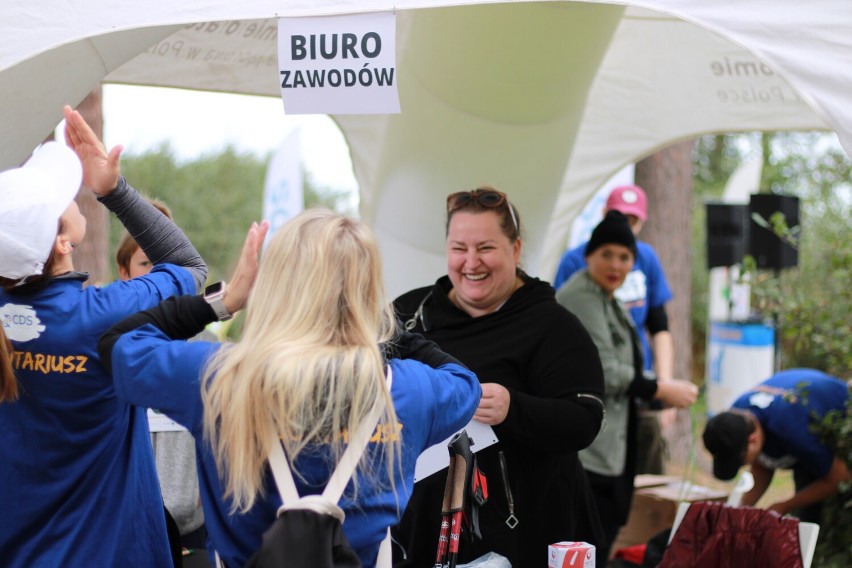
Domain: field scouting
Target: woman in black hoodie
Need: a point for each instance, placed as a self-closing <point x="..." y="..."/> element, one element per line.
<point x="542" y="386"/>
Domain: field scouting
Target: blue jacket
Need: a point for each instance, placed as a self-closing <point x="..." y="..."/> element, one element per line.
<point x="431" y="404"/>
<point x="79" y="485"/>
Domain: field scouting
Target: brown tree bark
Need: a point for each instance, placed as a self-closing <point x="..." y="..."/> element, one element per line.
<point x="667" y="179"/>
<point x="92" y="255"/>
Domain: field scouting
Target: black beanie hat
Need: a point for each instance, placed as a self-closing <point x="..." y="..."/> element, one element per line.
<point x="614" y="229"/>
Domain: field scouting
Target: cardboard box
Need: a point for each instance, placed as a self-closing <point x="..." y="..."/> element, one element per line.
<point x="571" y="555"/>
<point x="654" y="508"/>
<point x="644" y="480"/>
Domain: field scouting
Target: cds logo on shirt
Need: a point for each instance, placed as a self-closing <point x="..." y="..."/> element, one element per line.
<point x="20" y="322"/>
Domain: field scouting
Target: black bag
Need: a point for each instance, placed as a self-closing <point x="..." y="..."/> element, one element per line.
<point x="305" y="538"/>
<point x="308" y="532"/>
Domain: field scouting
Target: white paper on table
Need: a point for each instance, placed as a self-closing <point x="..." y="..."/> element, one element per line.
<point x="437" y="457"/>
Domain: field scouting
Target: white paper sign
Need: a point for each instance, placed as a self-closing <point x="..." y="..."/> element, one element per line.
<point x="159" y="422"/>
<point x="338" y="64"/>
<point x="435" y="458"/>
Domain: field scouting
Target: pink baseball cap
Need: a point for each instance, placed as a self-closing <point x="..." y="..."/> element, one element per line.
<point x="630" y="200"/>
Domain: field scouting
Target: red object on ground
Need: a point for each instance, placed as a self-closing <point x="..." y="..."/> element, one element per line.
<point x="634" y="554"/>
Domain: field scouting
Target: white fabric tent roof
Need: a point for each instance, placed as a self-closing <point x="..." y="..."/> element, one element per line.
<point x="544" y="100"/>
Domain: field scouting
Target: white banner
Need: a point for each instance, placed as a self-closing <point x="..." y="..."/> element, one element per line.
<point x="283" y="197"/>
<point x="339" y="64"/>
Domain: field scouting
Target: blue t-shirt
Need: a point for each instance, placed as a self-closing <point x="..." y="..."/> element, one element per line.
<point x="784" y="405"/>
<point x="431" y="404"/>
<point x="645" y="286"/>
<point x="79" y="487"/>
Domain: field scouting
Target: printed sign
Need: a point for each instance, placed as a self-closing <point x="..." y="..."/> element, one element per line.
<point x="338" y="64"/>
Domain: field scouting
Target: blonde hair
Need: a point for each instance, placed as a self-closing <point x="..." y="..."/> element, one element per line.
<point x="309" y="361"/>
<point x="8" y="382"/>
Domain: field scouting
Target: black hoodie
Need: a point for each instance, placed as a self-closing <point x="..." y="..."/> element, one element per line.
<point x="545" y="358"/>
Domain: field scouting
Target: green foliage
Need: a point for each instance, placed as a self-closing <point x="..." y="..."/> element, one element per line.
<point x="834" y="547"/>
<point x="812" y="301"/>
<point x="214" y="198"/>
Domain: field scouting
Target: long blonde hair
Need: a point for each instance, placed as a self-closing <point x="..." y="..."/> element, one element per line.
<point x="309" y="360"/>
<point x="8" y="382"/>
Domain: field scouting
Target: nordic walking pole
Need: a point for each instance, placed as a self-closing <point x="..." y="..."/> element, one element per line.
<point x="443" y="537"/>
<point x="457" y="507"/>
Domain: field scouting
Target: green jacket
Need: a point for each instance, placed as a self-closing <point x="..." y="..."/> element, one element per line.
<point x="618" y="343"/>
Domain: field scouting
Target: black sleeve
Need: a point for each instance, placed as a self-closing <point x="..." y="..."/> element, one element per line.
<point x="657" y="320"/>
<point x="408" y="345"/>
<point x="562" y="408"/>
<point x="179" y="317"/>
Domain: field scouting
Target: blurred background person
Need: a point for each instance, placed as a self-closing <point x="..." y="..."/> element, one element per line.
<point x="644" y="293"/>
<point x="769" y="427"/>
<point x="610" y="461"/>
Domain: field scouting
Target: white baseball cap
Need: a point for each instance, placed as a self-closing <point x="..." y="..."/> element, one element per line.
<point x="32" y="199"/>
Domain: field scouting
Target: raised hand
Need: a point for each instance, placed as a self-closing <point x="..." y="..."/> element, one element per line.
<point x="238" y="289"/>
<point x="100" y="169"/>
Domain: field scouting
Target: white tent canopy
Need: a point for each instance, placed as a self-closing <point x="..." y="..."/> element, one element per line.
<point x="543" y="100"/>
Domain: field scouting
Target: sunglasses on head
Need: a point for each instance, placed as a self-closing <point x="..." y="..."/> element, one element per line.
<point x="487" y="198"/>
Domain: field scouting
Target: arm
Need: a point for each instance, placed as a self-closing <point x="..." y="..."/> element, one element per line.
<point x="410" y="345"/>
<point x="454" y="392"/>
<point x="182" y="317"/>
<point x="817" y="491"/>
<point x="559" y="407"/>
<point x="157" y="235"/>
<point x="678" y="394"/>
<point x="179" y="317"/>
<point x="657" y="324"/>
<point x="762" y="477"/>
<point x="662" y="345"/>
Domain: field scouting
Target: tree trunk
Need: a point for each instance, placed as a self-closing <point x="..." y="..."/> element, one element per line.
<point x="667" y="179"/>
<point x="92" y="255"/>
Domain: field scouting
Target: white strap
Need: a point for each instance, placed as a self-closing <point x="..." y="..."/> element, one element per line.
<point x="385" y="557"/>
<point x="281" y="470"/>
<point x="357" y="444"/>
<point x="345" y="468"/>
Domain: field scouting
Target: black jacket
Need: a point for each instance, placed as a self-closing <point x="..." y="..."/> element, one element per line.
<point x="545" y="358"/>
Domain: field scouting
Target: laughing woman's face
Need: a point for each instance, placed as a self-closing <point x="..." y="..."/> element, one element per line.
<point x="481" y="262"/>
